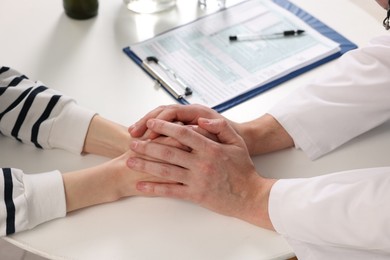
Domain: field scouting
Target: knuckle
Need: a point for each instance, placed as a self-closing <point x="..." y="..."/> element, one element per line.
<point x="182" y="132"/>
<point x="224" y="123"/>
<point x="164" y="171"/>
<point x="160" y="190"/>
<point x="167" y="154"/>
<point x="138" y="147"/>
<point x="168" y="192"/>
<point x="171" y="107"/>
<point x="142" y="165"/>
<point x="199" y="107"/>
<point x="162" y="107"/>
<point x="164" y="190"/>
<point x="170" y="110"/>
<point x="154" y="112"/>
<point x="139" y="165"/>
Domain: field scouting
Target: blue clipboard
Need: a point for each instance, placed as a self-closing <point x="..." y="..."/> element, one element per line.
<point x="345" y="45"/>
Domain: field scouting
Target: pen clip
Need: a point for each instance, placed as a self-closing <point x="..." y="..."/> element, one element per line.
<point x="168" y="71"/>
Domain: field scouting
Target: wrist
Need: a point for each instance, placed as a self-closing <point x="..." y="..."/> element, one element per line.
<point x="258" y="210"/>
<point x="106" y="138"/>
<point x="95" y="185"/>
<point x="264" y="134"/>
<point x="247" y="132"/>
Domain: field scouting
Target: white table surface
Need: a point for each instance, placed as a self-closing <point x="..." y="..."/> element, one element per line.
<point x="84" y="59"/>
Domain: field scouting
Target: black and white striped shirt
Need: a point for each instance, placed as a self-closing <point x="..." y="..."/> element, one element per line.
<point x="33" y="114"/>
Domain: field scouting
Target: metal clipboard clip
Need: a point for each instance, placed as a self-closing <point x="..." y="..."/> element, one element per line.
<point x="178" y="94"/>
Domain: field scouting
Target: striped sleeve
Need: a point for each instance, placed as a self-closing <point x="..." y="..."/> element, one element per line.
<point x="34" y="114"/>
<point x="29" y="199"/>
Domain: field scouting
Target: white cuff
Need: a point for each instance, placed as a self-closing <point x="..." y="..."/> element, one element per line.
<point x="302" y="139"/>
<point x="273" y="206"/>
<point x="45" y="197"/>
<point x="70" y="129"/>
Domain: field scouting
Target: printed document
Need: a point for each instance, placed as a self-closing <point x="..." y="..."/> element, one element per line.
<point x="217" y="69"/>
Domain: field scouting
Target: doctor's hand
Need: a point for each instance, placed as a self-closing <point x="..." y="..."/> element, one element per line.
<point x="219" y="176"/>
<point x="185" y="114"/>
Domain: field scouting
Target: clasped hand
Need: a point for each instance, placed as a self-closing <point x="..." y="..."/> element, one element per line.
<point x="216" y="174"/>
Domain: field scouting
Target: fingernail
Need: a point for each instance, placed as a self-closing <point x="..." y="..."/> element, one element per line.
<point x="144" y="187"/>
<point x="131" y="128"/>
<point x="206" y="121"/>
<point x="131" y="162"/>
<point x="150" y="123"/>
<point x="134" y="144"/>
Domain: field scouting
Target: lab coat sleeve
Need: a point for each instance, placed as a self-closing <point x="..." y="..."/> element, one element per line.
<point x="341" y="211"/>
<point x="346" y="102"/>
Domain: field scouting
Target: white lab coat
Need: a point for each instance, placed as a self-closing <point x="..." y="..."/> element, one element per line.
<point x="343" y="215"/>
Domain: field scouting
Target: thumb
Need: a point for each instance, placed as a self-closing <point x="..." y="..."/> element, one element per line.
<point x="222" y="129"/>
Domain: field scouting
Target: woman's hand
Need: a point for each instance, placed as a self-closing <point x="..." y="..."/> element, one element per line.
<point x="107" y="182"/>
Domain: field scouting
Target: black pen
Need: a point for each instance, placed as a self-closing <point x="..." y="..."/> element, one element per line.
<point x="251" y="37"/>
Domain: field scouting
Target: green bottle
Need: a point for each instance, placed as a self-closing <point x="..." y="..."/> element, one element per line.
<point x="81" y="9"/>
